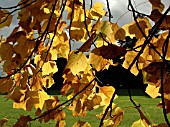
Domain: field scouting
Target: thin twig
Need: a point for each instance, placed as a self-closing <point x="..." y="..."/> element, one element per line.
<point x="108" y="107"/>
<point x="55" y="29"/>
<point x="164" y="51"/>
<point x="108" y="8"/>
<point x="146" y="42"/>
<point x="9" y="13"/>
<point x="84" y="8"/>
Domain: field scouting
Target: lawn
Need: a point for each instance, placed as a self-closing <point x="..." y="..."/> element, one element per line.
<point x="148" y="105"/>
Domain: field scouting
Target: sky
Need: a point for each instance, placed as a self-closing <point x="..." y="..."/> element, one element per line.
<point x="118" y="8"/>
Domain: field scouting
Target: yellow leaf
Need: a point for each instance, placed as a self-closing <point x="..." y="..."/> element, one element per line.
<point x="96" y="60"/>
<point x="46" y="10"/>
<point x="106" y="93"/>
<point x="138" y="123"/>
<point x="6" y="85"/>
<point x="6" y="21"/>
<point x="35" y="83"/>
<point x="117" y="116"/>
<point x="48" y="81"/>
<point x="77" y="34"/>
<point x="129" y="57"/>
<point x="3" y="121"/>
<point x="60" y="115"/>
<point x="77" y="62"/>
<point x="42" y="96"/>
<point x="81" y="124"/>
<point x="97" y="10"/>
<point x="153" y="91"/>
<point x="61" y="123"/>
<point x="1" y="14"/>
<point x="49" y="67"/>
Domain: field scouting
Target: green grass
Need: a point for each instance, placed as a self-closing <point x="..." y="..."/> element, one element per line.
<point x="148" y="105"/>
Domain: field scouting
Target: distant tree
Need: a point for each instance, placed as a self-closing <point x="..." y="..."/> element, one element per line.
<point x="30" y="57"/>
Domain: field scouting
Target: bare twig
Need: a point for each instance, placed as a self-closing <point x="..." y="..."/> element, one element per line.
<point x="9" y="13"/>
<point x="84" y="8"/>
<point x="108" y="107"/>
<point x="108" y="8"/>
<point x="146" y="42"/>
<point x="164" y="51"/>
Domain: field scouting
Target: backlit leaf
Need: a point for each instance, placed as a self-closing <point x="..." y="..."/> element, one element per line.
<point x="153" y="91"/>
<point x="81" y="124"/>
<point x="106" y="93"/>
<point x="156" y="4"/>
<point x="87" y="45"/>
<point x="156" y="15"/>
<point x="144" y="119"/>
<point x="96" y="60"/>
<point x="48" y="81"/>
<point x="138" y="123"/>
<point x="77" y="62"/>
<point x="144" y="25"/>
<point x="97" y="10"/>
<point x="117" y="116"/>
<point x="49" y="67"/>
<point x="6" y="21"/>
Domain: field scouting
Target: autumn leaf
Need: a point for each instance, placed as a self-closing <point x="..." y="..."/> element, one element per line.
<point x="42" y="97"/>
<point x="6" y="85"/>
<point x="117" y="116"/>
<point x="6" y="51"/>
<point x="156" y="15"/>
<point x="87" y="45"/>
<point x="60" y="115"/>
<point x="152" y="91"/>
<point x="96" y="60"/>
<point x="144" y="25"/>
<point x="22" y="121"/>
<point x="3" y="121"/>
<point x="157" y="5"/>
<point x="76" y="62"/>
<point x="106" y="93"/>
<point x="17" y="95"/>
<point x="61" y="123"/>
<point x="129" y="57"/>
<point x="97" y="10"/>
<point x="4" y="20"/>
<point x="104" y="27"/>
<point x="138" y="123"/>
<point x="48" y="81"/>
<point x="111" y="51"/>
<point x="144" y="119"/>
<point x="49" y="67"/>
<point x="81" y="124"/>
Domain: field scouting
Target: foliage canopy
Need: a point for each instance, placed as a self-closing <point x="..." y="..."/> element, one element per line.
<point x="45" y="33"/>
